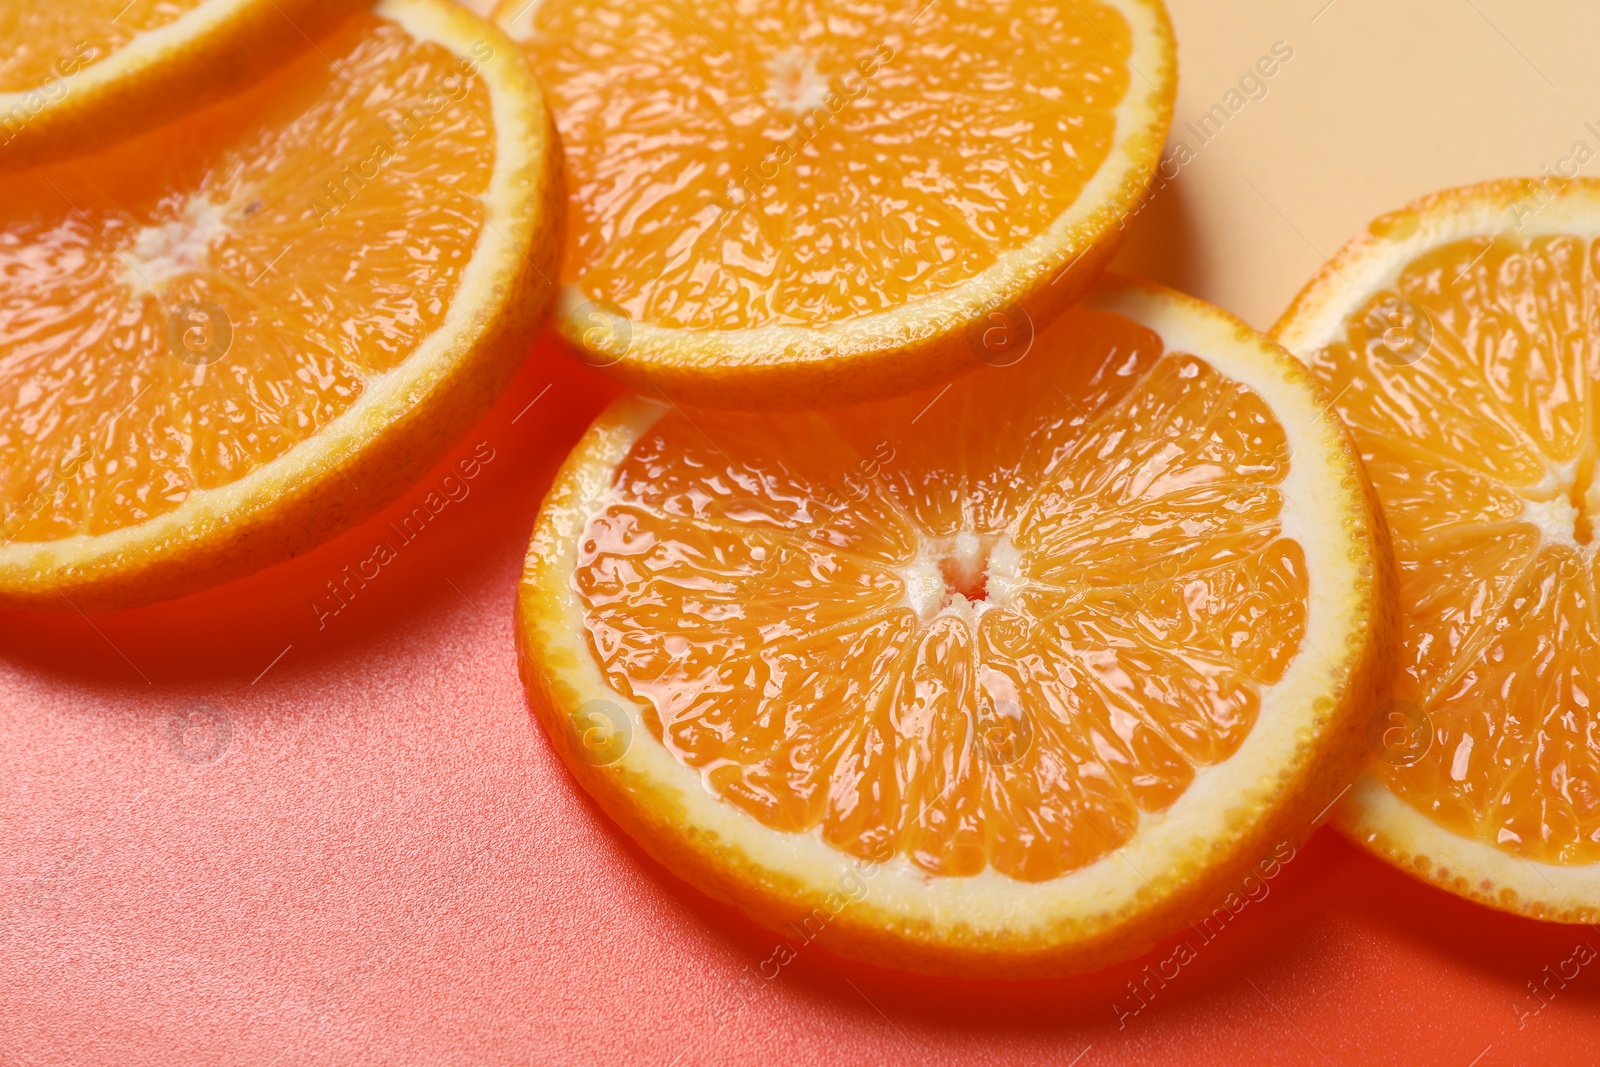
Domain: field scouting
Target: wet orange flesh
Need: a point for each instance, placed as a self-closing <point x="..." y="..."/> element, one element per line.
<point x="1481" y="445"/>
<point x="330" y="240"/>
<point x="47" y="44"/>
<point x="748" y="163"/>
<point x="788" y="597"/>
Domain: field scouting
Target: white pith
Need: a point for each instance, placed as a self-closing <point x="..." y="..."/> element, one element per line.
<point x="970" y="559"/>
<point x="1223" y="801"/>
<point x="143" y="49"/>
<point x="793" y="82"/>
<point x="386" y="397"/>
<point x="1556" y="520"/>
<point x="1373" y="814"/>
<point x="174" y="248"/>
<point x="1548" y="506"/>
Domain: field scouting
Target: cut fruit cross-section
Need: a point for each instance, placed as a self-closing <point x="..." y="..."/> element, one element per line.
<point x="78" y="75"/>
<point x="1006" y="677"/>
<point x="1462" y="338"/>
<point x="778" y="205"/>
<point x="228" y="339"/>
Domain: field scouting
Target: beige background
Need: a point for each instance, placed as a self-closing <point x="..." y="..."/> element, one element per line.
<point x="1384" y="101"/>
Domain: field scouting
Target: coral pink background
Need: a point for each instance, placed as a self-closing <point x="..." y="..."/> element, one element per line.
<point x="385" y="864"/>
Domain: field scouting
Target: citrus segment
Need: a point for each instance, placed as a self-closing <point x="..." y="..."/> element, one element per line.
<point x="992" y="635"/>
<point x="1463" y="355"/>
<point x="759" y="186"/>
<point x="209" y="328"/>
<point x="42" y="33"/>
<point x="81" y="74"/>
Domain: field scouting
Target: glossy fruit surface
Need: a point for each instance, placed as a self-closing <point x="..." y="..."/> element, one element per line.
<point x="779" y="205"/>
<point x="1046" y="657"/>
<point x="223" y="341"/>
<point x="1461" y="336"/>
<point x="77" y="75"/>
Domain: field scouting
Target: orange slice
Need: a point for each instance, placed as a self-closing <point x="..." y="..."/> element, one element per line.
<point x="788" y="204"/>
<point x="226" y="340"/>
<point x="1008" y="677"/>
<point x="76" y="75"/>
<point x="1462" y="338"/>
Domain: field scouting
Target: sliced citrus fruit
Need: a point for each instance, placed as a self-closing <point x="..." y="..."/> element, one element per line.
<point x="1008" y="677"/>
<point x="226" y="340"/>
<point x="76" y="75"/>
<point x="777" y="204"/>
<point x="1461" y="336"/>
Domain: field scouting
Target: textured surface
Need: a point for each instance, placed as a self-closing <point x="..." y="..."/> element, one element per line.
<point x="389" y="865"/>
<point x="40" y="37"/>
<point x="731" y="167"/>
<point x="993" y="639"/>
<point x="1468" y="386"/>
<point x="378" y="859"/>
<point x="248" y="262"/>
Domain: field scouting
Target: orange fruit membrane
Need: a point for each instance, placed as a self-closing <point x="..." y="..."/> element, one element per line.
<point x="77" y="75"/>
<point x="1004" y="677"/>
<point x="1461" y="336"/>
<point x="778" y="205"/>
<point x="226" y="340"/>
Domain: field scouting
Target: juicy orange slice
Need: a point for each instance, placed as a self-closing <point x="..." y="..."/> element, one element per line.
<point x="1006" y="677"/>
<point x="226" y="340"/>
<point x="76" y="75"/>
<point x="1460" y="336"/>
<point x="779" y="204"/>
